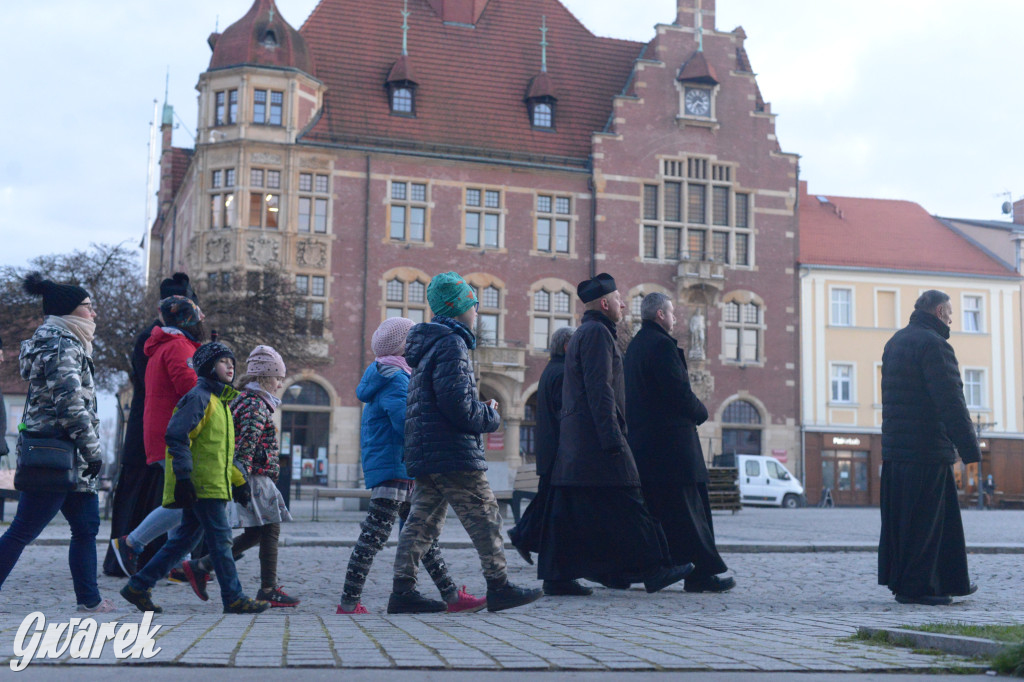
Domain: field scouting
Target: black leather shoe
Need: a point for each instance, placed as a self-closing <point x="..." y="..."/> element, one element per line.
<point x="710" y="584"/>
<point x="667" y="576"/>
<point x="566" y="588"/>
<point x="414" y="602"/>
<point x="925" y="600"/>
<point x="509" y="596"/>
<point x="973" y="589"/>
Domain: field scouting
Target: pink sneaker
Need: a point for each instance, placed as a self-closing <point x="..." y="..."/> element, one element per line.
<point x="358" y="610"/>
<point x="467" y="603"/>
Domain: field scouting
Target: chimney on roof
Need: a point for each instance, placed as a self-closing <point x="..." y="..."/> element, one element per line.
<point x="465" y="12"/>
<point x="686" y="11"/>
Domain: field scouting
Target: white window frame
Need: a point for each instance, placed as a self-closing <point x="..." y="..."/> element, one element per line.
<point x="832" y="307"/>
<point x="896" y="306"/>
<point x="980" y="311"/>
<point x="982" y="388"/>
<point x="851" y="380"/>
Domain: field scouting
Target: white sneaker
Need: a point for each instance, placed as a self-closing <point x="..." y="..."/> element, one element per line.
<point x="105" y="606"/>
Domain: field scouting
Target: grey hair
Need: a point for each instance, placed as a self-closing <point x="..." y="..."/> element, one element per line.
<point x="559" y="338"/>
<point x="651" y="304"/>
<point x="930" y="300"/>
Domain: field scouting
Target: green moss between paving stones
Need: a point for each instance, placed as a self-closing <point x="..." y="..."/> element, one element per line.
<point x="1000" y="633"/>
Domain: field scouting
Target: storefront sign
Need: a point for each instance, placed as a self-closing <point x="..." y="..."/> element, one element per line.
<point x="839" y="440"/>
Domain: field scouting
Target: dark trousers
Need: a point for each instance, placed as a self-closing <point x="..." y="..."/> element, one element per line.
<point x="267" y="538"/>
<point x="35" y="511"/>
<point x="206" y="516"/>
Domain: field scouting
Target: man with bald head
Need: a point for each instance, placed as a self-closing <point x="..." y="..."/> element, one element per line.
<point x="597" y="526"/>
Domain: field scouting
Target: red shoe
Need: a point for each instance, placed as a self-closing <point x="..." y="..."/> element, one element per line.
<point x="358" y="610"/>
<point x="467" y="603"/>
<point x="197" y="578"/>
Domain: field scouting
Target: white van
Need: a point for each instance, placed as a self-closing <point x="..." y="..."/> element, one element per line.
<point x="764" y="481"/>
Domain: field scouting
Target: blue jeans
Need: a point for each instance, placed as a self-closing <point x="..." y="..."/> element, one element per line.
<point x="206" y="516"/>
<point x="35" y="511"/>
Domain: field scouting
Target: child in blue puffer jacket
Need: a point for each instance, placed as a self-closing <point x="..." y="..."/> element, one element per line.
<point x="383" y="388"/>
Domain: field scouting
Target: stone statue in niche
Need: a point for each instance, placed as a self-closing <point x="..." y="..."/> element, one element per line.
<point x="263" y="251"/>
<point x="702" y="383"/>
<point x="311" y="253"/>
<point x="218" y="250"/>
<point x="697" y="336"/>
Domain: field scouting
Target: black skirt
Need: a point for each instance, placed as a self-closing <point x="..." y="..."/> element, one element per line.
<point x="685" y="514"/>
<point x="526" y="534"/>
<point x="602" y="534"/>
<point x="922" y="551"/>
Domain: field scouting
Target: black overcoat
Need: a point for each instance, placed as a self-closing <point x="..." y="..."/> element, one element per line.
<point x="549" y="409"/>
<point x="592" y="448"/>
<point x="662" y="413"/>
<point x="924" y="414"/>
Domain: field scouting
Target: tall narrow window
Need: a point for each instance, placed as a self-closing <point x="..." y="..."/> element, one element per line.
<point x="842" y="383"/>
<point x="483" y="218"/>
<point x="408" y="211"/>
<point x="972" y="314"/>
<point x="553" y="223"/>
<point x="313" y="191"/>
<point x="222" y="199"/>
<point x="974" y="388"/>
<point x="489" y="315"/>
<point x="842" y="307"/>
<point x="225" y="107"/>
<point x="742" y="331"/>
<point x="551" y="310"/>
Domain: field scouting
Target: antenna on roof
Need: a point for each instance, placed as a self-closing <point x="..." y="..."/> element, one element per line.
<point x="271" y="13"/>
<point x="405" y="27"/>
<point x="544" y="44"/>
<point x="167" y="83"/>
<point x="216" y="24"/>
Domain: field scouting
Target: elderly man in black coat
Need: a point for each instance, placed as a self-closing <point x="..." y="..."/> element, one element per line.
<point x="526" y="534"/>
<point x="662" y="414"/>
<point x="922" y="555"/>
<point x="597" y="525"/>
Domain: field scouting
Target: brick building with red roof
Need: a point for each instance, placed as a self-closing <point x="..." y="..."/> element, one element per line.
<point x="863" y="263"/>
<point x="372" y="149"/>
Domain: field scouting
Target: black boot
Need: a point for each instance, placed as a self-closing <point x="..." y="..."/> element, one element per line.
<point x="508" y="596"/>
<point x="566" y="588"/>
<point x="664" y="577"/>
<point x="711" y="583"/>
<point x="414" y="602"/>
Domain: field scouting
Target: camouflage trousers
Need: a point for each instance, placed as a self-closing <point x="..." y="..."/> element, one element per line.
<point x="470" y="496"/>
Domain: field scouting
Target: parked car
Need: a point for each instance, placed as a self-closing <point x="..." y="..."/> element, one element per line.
<point x="764" y="481"/>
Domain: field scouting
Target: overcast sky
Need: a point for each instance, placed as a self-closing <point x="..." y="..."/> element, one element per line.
<point x="902" y="99"/>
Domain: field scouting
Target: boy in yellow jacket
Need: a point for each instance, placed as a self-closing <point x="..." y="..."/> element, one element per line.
<point x="200" y="448"/>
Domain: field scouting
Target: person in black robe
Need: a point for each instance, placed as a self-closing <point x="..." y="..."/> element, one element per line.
<point x="662" y="414"/>
<point x="526" y="534"/>
<point x="139" y="488"/>
<point x="922" y="554"/>
<point x="596" y="525"/>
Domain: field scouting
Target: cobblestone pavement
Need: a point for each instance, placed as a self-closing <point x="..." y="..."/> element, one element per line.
<point x="789" y="612"/>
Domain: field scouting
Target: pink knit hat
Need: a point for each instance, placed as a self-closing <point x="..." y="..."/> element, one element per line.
<point x="264" y="361"/>
<point x="390" y="336"/>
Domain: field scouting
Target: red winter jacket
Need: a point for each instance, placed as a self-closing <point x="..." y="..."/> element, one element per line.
<point x="169" y="376"/>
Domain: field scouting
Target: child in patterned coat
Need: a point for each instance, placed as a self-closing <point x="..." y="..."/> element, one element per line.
<point x="257" y="453"/>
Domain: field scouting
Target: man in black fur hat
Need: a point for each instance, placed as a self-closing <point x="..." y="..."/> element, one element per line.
<point x="597" y="526"/>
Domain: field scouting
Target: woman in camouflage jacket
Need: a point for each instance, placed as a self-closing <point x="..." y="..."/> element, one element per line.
<point x="57" y="363"/>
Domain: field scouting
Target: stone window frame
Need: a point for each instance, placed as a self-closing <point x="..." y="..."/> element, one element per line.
<point x="408" y="203"/>
<point x="225" y="107"/>
<point x="316" y="195"/>
<point x="551" y="285"/>
<point x="670" y="230"/>
<point x="476" y="202"/>
<point x="743" y="298"/>
<point x="222" y="203"/>
<point x="553" y="215"/>
<point x="267" y="202"/>
<point x="481" y="282"/>
<point x="408" y="306"/>
<point x="761" y="425"/>
<point x="269" y="106"/>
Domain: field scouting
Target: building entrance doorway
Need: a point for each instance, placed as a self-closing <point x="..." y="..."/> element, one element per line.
<point x="305" y="435"/>
<point x="846" y="473"/>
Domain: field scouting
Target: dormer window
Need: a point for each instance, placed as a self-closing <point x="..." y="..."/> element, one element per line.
<point x="542" y="115"/>
<point x="269" y="40"/>
<point x="402" y="102"/>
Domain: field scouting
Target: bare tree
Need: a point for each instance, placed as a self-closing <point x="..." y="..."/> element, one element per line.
<point x="113" y="277"/>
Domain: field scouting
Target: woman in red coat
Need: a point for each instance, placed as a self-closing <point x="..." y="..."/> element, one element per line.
<point x="169" y="376"/>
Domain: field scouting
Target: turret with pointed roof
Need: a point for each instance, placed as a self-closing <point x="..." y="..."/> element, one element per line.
<point x="261" y="38"/>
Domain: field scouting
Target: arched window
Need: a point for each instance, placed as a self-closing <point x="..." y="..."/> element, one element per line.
<point x="551" y="310"/>
<point x="401" y="100"/>
<point x="489" y="315"/>
<point x="306" y="393"/>
<point x="543" y="115"/>
<point x="741" y="428"/>
<point x="406" y="299"/>
<point x="742" y="328"/>
<point x="305" y="434"/>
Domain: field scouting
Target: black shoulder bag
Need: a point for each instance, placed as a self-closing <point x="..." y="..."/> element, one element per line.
<point x="46" y="461"/>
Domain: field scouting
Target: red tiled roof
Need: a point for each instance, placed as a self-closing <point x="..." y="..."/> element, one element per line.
<point x="471" y="80"/>
<point x="401" y="71"/>
<point x="180" y="160"/>
<point x="541" y="85"/>
<point x="697" y="69"/>
<point x="245" y="41"/>
<point x="887" y="234"/>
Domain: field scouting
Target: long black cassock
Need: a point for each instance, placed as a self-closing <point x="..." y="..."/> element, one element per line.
<point x="662" y="414"/>
<point x="140" y="488"/>
<point x="596" y="525"/>
<point x="922" y="551"/>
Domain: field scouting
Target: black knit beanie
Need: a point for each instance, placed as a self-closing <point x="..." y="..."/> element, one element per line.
<point x="207" y="355"/>
<point x="178" y="284"/>
<point x="58" y="299"/>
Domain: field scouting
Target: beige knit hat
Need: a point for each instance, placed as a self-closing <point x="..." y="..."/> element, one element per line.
<point x="390" y="336"/>
<point x="264" y="361"/>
